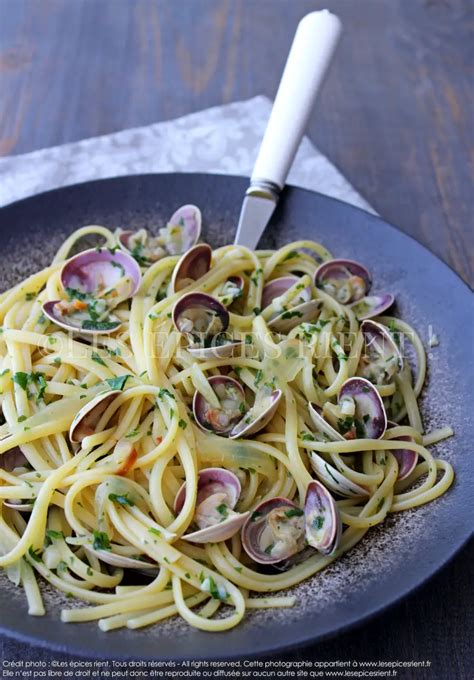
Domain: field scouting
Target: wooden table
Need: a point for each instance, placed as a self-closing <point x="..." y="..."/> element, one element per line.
<point x="396" y="117"/>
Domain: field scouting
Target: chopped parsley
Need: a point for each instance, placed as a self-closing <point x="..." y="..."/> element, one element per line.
<point x="101" y="541"/>
<point x="54" y="535"/>
<point x="121" y="499"/>
<point x="90" y="325"/>
<point x="117" y="383"/>
<point x="318" y="522"/>
<point x="96" y="357"/>
<point x="294" y="512"/>
<point x="182" y="424"/>
<point x="34" y="554"/>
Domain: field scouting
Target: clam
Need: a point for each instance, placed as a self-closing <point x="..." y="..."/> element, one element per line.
<point x="334" y="479"/>
<point x="372" y="305"/>
<point x="87" y="418"/>
<point x="274" y="531"/>
<point x="13" y="458"/>
<point x="204" y="320"/>
<point x="349" y="282"/>
<point x="179" y="235"/>
<point x="231" y="396"/>
<point x="193" y="264"/>
<point x="381" y="358"/>
<point x="323" y="524"/>
<point x="121" y="561"/>
<point x="257" y="417"/>
<point x="345" y="280"/>
<point x="359" y="414"/>
<point x="406" y="458"/>
<point x="300" y="309"/>
<point x="218" y="491"/>
<point x="322" y="424"/>
<point x="95" y="281"/>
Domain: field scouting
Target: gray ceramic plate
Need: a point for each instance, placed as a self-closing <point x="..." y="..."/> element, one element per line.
<point x="393" y="558"/>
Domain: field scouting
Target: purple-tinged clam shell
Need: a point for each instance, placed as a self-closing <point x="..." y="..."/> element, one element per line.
<point x="406" y="458"/>
<point x="334" y="479"/>
<point x="123" y="562"/>
<point x="257" y="417"/>
<point x="345" y="280"/>
<point x="87" y="418"/>
<point x="231" y="397"/>
<point x="183" y="229"/>
<point x="12" y="459"/>
<point x="192" y="266"/>
<point x="274" y="531"/>
<point x="372" y="305"/>
<point x="179" y="235"/>
<point x="323" y="524"/>
<point x="203" y="320"/>
<point x="52" y="309"/>
<point x="301" y="309"/>
<point x="381" y="357"/>
<point x="99" y="269"/>
<point x="200" y="316"/>
<point x="322" y="424"/>
<point x="217" y="494"/>
<point x="369" y="420"/>
<point x="97" y="280"/>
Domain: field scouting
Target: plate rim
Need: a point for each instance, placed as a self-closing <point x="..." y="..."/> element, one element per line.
<point x="355" y="620"/>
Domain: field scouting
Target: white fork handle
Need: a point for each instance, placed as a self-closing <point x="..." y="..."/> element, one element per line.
<point x="313" y="46"/>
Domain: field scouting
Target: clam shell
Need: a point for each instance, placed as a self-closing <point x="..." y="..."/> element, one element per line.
<point x="12" y="459"/>
<point x="256" y="419"/>
<point x="255" y="526"/>
<point x="339" y="270"/>
<point x="49" y="310"/>
<point x="89" y="415"/>
<point x="278" y="287"/>
<point x="372" y="305"/>
<point x="195" y="305"/>
<point x="100" y="268"/>
<point x="380" y="345"/>
<point x="323" y="524"/>
<point x="224" y="351"/>
<point x="369" y="409"/>
<point x="189" y="218"/>
<point x="306" y="310"/>
<point x="231" y="290"/>
<point x="122" y="561"/>
<point x="322" y="424"/>
<point x="192" y="266"/>
<point x="202" y="409"/>
<point x="406" y="458"/>
<point x="334" y="479"/>
<point x="212" y="481"/>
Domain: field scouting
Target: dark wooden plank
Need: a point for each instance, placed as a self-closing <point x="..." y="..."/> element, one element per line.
<point x="396" y="117"/>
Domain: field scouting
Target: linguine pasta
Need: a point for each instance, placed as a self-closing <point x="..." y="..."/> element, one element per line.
<point x="105" y="449"/>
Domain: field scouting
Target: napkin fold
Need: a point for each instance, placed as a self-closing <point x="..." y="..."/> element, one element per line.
<point x="223" y="139"/>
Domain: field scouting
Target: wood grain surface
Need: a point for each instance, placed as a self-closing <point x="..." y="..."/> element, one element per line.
<point x="396" y="116"/>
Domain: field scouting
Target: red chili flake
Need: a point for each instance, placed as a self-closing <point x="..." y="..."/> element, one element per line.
<point x="128" y="463"/>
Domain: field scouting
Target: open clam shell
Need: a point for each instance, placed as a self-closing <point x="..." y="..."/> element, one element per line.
<point x="323" y="524"/>
<point x="121" y="561"/>
<point x="345" y="280"/>
<point x="301" y="309"/>
<point x="193" y="264"/>
<point x="257" y="417"/>
<point x="274" y="531"/>
<point x="231" y="396"/>
<point x="372" y="305"/>
<point x="13" y="458"/>
<point x="179" y="235"/>
<point x="369" y="420"/>
<point x="203" y="320"/>
<point x="217" y="495"/>
<point x="406" y="458"/>
<point x="335" y="480"/>
<point x="381" y="357"/>
<point x="183" y="229"/>
<point x="86" y="419"/>
<point x="200" y="316"/>
<point x="322" y="424"/>
<point x="96" y="281"/>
